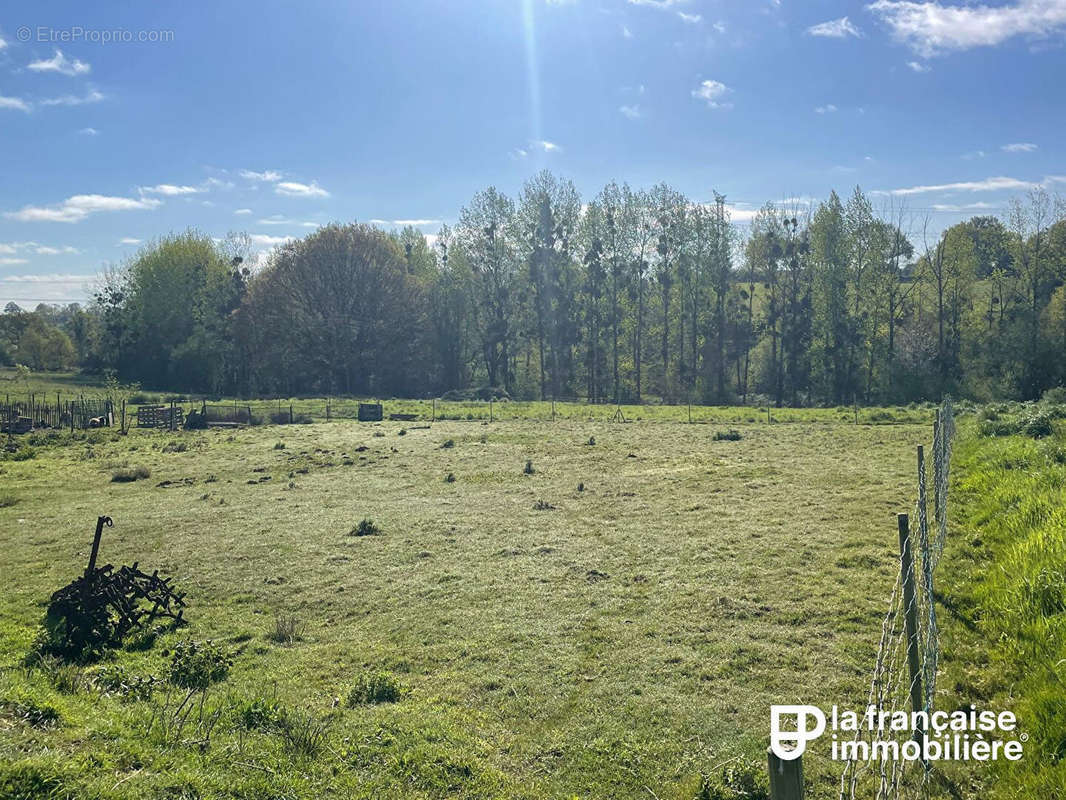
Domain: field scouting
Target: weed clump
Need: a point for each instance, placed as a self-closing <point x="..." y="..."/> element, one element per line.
<point x="365" y="528"/>
<point x="736" y="781"/>
<point x="130" y="474"/>
<point x="448" y="444"/>
<point x="543" y="505"/>
<point x="449" y="478"/>
<point x="731" y="435"/>
<point x="257" y="714"/>
<point x="528" y="469"/>
<point x="197" y="665"/>
<point x="32" y="712"/>
<point x="378" y="686"/>
<point x="288" y="629"/>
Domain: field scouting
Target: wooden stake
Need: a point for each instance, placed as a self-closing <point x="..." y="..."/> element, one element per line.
<point x="910" y="615"/>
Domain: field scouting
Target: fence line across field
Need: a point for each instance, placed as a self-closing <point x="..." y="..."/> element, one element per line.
<point x="905" y="669"/>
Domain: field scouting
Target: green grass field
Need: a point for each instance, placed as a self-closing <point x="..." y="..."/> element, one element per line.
<point x="614" y="624"/>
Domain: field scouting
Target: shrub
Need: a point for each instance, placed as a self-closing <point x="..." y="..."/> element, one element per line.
<point x="379" y="686"/>
<point x="727" y="436"/>
<point x="581" y="487"/>
<point x="175" y="447"/>
<point x="197" y="665"/>
<point x="288" y="629"/>
<point x="116" y="680"/>
<point x="130" y="474"/>
<point x="591" y="441"/>
<point x="365" y="528"/>
<point x="1038" y="423"/>
<point x="402" y="432"/>
<point x="448" y="444"/>
<point x="1055" y="396"/>
<point x="528" y="470"/>
<point x="543" y="505"/>
<point x="449" y="478"/>
<point x="24" y="453"/>
<point x="279" y="446"/>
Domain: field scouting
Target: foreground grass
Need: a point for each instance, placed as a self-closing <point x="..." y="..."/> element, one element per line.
<point x="613" y="623"/>
<point x="1005" y="587"/>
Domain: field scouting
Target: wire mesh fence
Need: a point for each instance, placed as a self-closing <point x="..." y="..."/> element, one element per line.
<point x="905" y="669"/>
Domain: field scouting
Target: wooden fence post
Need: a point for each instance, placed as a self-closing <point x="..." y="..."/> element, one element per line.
<point x="910" y="616"/>
<point x="434" y="418"/>
<point x="490" y="410"/>
<point x="786" y="777"/>
<point x="290" y="414"/>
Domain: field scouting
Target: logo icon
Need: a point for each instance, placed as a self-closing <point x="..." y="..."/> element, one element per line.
<point x="800" y="736"/>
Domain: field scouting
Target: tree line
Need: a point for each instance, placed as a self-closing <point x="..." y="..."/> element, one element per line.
<point x="630" y="296"/>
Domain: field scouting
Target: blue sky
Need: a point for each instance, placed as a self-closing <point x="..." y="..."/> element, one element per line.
<point x="125" y="121"/>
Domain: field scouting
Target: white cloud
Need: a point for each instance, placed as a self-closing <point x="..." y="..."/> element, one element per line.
<point x="6" y="261"/>
<point x="1019" y="147"/>
<point x="169" y="190"/>
<point x="712" y="92"/>
<point x="49" y="288"/>
<point x="931" y="28"/>
<point x="79" y="206"/>
<point x="92" y="96"/>
<point x="626" y="33"/>
<point x="741" y="216"/>
<point x="243" y="211"/>
<point x="545" y="145"/>
<point x="264" y="240"/>
<point x="979" y="206"/>
<point x="719" y="27"/>
<point x="835" y="29"/>
<point x="16" y="103"/>
<point x="632" y="112"/>
<point x="691" y="19"/>
<point x="89" y="132"/>
<point x="414" y="223"/>
<point x="47" y="250"/>
<point x="53" y="278"/>
<point x="518" y="152"/>
<point x="974" y="155"/>
<point x="61" y="64"/>
<point x="917" y="66"/>
<point x="987" y="185"/>
<point x="829" y="108"/>
<point x="268" y="175"/>
<point x="293" y="189"/>
<point x="3" y="43"/>
<point x="656" y="3"/>
<point x="215" y="183"/>
<point x="129" y="240"/>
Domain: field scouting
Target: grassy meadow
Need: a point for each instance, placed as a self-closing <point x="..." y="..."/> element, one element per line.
<point x="579" y="609"/>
